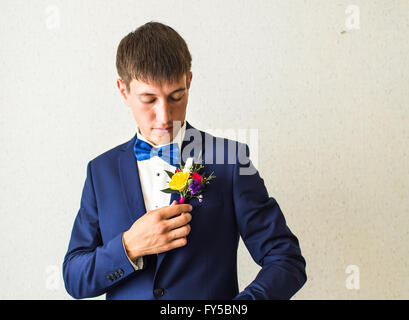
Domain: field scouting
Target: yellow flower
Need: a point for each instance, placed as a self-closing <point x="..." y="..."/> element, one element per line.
<point x="179" y="180"/>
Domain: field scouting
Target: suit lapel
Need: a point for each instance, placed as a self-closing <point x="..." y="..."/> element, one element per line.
<point x="131" y="184"/>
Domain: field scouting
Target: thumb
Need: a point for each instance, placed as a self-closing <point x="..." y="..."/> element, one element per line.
<point x="174" y="202"/>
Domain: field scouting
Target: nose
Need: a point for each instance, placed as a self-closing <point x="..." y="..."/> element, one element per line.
<point x="163" y="111"/>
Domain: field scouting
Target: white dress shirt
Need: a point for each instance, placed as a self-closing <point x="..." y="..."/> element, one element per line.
<point x="153" y="178"/>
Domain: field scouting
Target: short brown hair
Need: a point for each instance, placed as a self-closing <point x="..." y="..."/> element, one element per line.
<point x="153" y="52"/>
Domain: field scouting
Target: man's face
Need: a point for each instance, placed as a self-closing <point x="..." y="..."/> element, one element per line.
<point x="155" y="108"/>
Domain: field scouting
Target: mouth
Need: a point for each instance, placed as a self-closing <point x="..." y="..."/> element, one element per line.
<point x="163" y="130"/>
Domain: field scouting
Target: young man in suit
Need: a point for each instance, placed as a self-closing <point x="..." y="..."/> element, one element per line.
<point x="132" y="241"/>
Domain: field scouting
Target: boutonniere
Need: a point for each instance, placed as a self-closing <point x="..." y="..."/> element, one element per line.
<point x="187" y="181"/>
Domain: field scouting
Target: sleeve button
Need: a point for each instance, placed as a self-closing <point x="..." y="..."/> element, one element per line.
<point x="158" y="292"/>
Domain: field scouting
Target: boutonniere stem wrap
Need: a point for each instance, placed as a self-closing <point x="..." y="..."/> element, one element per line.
<point x="188" y="181"/>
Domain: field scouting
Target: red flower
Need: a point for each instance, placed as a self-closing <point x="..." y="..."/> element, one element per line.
<point x="197" y="177"/>
<point x="177" y="170"/>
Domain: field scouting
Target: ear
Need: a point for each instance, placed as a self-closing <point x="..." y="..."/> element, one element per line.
<point x="189" y="80"/>
<point x="122" y="88"/>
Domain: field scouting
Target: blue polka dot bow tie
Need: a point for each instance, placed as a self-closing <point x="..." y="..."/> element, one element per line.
<point x="168" y="153"/>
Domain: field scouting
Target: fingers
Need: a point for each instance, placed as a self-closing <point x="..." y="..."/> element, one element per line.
<point x="178" y="221"/>
<point x="175" y="209"/>
<point x="180" y="242"/>
<point x="179" y="232"/>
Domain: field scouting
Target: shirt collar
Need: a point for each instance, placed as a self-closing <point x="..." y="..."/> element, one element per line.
<point x="177" y="139"/>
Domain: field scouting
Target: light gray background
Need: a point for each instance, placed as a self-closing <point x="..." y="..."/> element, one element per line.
<point x="330" y="107"/>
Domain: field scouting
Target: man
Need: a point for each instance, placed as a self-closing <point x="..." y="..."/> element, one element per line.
<point x="132" y="241"/>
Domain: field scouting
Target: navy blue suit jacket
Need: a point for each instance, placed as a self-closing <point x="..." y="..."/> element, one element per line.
<point x="235" y="204"/>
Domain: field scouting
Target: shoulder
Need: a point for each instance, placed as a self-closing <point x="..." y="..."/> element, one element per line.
<point x="228" y="149"/>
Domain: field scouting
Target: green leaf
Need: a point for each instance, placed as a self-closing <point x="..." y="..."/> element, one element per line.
<point x="169" y="190"/>
<point x="170" y="174"/>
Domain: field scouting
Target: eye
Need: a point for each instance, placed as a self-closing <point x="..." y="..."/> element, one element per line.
<point x="179" y="98"/>
<point x="171" y="98"/>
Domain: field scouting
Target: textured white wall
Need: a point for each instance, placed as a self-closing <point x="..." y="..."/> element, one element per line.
<point x="330" y="104"/>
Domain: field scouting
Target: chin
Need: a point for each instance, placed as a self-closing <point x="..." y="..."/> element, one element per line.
<point x="162" y="139"/>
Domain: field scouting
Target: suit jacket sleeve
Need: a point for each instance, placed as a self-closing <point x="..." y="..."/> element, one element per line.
<point x="90" y="266"/>
<point x="264" y="231"/>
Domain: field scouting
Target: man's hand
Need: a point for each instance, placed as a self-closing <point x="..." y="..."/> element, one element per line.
<point x="158" y="231"/>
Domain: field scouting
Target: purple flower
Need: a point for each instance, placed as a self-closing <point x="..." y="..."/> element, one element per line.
<point x="195" y="186"/>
